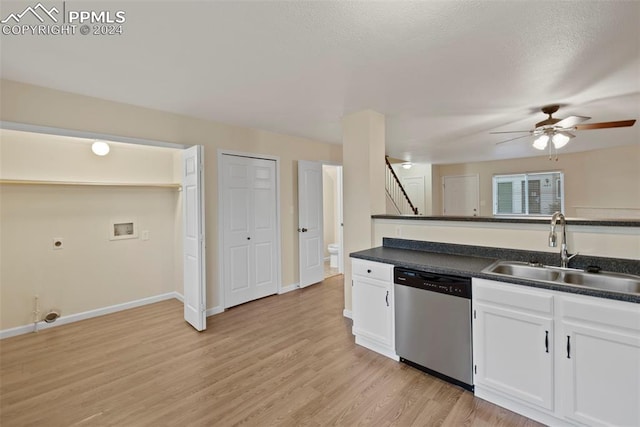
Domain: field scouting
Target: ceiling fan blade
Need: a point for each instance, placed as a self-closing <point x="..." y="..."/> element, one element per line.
<point x="571" y="121"/>
<point x="604" y="125"/>
<point x="512" y="139"/>
<point x="512" y="131"/>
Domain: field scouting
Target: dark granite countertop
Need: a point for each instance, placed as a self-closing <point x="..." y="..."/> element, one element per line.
<point x="516" y="220"/>
<point x="469" y="261"/>
<point x="427" y="261"/>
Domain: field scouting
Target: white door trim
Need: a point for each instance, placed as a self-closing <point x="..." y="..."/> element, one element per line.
<point x="89" y="135"/>
<point x="222" y="152"/>
<point x="341" y="219"/>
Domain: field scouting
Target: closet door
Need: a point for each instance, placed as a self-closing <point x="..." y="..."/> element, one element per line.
<point x="249" y="258"/>
<point x="193" y="235"/>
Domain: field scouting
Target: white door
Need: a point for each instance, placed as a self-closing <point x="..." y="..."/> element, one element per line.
<point x="250" y="254"/>
<point x="310" y="225"/>
<point x="193" y="220"/>
<point x="414" y="186"/>
<point x="460" y="195"/>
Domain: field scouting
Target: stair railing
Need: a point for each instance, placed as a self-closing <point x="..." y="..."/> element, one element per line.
<point x="396" y="192"/>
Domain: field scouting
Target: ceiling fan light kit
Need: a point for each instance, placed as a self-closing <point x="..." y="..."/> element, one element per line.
<point x="540" y="143"/>
<point x="560" y="139"/>
<point x="558" y="131"/>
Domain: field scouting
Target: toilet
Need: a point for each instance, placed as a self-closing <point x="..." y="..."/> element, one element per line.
<point x="333" y="249"/>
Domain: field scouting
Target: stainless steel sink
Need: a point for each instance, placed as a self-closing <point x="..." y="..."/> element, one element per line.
<point x="606" y="281"/>
<point x="603" y="280"/>
<point x="525" y="271"/>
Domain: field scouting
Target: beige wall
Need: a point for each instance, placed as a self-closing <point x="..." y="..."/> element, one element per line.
<point x="34" y="156"/>
<point x="363" y="147"/>
<point x="608" y="180"/>
<point x="91" y="271"/>
<point x="44" y="107"/>
<point x="615" y="242"/>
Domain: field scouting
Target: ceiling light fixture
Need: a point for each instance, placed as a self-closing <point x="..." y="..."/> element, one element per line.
<point x="541" y="142"/>
<point x="407" y="165"/>
<point x="100" y="148"/>
<point x="560" y="139"/>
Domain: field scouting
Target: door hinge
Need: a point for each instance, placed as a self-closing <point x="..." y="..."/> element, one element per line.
<point x="475" y="315"/>
<point x="475" y="369"/>
<point x="202" y="307"/>
<point x="352" y="283"/>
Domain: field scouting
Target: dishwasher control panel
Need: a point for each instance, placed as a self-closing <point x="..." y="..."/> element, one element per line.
<point x="434" y="282"/>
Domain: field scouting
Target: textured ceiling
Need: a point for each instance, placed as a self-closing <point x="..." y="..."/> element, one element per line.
<point x="445" y="73"/>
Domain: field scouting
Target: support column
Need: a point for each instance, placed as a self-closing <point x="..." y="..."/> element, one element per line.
<point x="363" y="149"/>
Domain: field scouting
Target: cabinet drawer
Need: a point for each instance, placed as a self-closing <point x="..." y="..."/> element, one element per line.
<point x="619" y="314"/>
<point x="372" y="270"/>
<point x="513" y="296"/>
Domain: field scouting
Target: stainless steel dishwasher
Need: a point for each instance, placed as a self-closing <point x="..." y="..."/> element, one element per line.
<point x="433" y="324"/>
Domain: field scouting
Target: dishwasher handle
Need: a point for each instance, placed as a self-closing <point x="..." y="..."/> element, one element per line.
<point x="386" y="298"/>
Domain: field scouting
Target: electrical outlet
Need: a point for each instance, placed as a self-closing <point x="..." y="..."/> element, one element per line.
<point x="58" y="243"/>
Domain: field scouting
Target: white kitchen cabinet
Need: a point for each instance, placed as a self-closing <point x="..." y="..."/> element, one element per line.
<point x="591" y="372"/>
<point x="372" y="306"/>
<point x="512" y="338"/>
<point x="599" y="361"/>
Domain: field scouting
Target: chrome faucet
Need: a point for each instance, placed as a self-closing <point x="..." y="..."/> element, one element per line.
<point x="564" y="255"/>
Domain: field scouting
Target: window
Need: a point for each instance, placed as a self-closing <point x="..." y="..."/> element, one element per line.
<point x="535" y="194"/>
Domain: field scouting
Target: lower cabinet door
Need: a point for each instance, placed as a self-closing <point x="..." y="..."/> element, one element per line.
<point x="600" y="375"/>
<point x="372" y="310"/>
<point x="513" y="354"/>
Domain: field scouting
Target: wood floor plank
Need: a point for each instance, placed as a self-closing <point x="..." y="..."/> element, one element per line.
<point x="286" y="360"/>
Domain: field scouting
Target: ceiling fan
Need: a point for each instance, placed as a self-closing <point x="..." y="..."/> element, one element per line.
<point x="559" y="131"/>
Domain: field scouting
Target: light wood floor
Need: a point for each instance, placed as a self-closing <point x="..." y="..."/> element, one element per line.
<point x="330" y="271"/>
<point x="284" y="360"/>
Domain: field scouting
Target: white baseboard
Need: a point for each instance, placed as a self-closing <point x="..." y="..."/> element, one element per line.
<point x="63" y="320"/>
<point x="374" y="346"/>
<point x="210" y="311"/>
<point x="214" y="310"/>
<point x="291" y="287"/>
<point x="347" y="313"/>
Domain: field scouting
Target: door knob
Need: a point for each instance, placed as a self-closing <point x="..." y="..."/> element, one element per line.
<point x="304" y="230"/>
<point x="248" y="238"/>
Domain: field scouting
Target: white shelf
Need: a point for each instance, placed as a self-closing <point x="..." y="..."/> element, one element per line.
<point x="90" y="183"/>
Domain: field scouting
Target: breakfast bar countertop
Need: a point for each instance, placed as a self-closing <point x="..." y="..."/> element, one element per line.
<point x="470" y="261"/>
